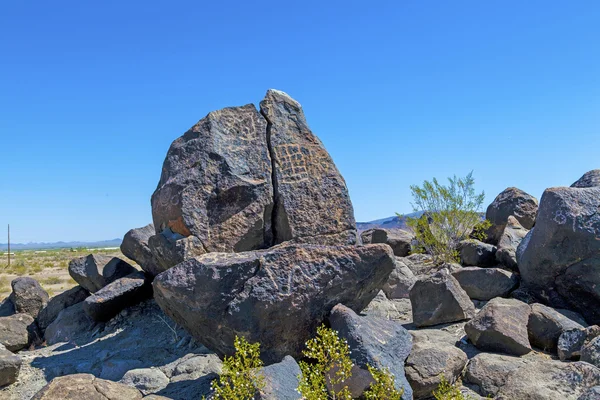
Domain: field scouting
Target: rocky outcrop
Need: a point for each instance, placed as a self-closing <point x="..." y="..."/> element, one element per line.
<point x="547" y="324"/>
<point x="589" y="179"/>
<point x="17" y="331"/>
<point x="397" y="239"/>
<point x="475" y="253"/>
<point x="28" y="296"/>
<point x="373" y="341"/>
<point x="501" y="326"/>
<point x="438" y="299"/>
<point x="509" y="242"/>
<point x="400" y="282"/>
<point x="96" y="271"/>
<point x="563" y="252"/>
<point x="135" y="247"/>
<point x="276" y="297"/>
<point x="58" y="303"/>
<point x="86" y="386"/>
<point x="10" y="365"/>
<point x="280" y="381"/>
<point x="511" y="201"/>
<point x="486" y="283"/>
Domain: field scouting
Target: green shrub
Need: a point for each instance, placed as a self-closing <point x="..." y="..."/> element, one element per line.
<point x="383" y="387"/>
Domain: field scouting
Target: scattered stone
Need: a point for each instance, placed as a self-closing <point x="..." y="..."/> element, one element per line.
<point x="511" y="201"/>
<point x="135" y="247"/>
<point x="17" y="331"/>
<point x="376" y="342"/>
<point x="281" y="381"/>
<point x="277" y="297"/>
<point x="547" y="324"/>
<point x="58" y="303"/>
<point x="501" y="326"/>
<point x="146" y="380"/>
<point x="10" y="365"/>
<point x="400" y="282"/>
<point x="88" y="387"/>
<point x="509" y="242"/>
<point x="486" y="283"/>
<point x="589" y="179"/>
<point x="474" y="252"/>
<point x="590" y="352"/>
<point x="398" y="239"/>
<point x="70" y="323"/>
<point x="96" y="271"/>
<point x="438" y="299"/>
<point x="116" y="296"/>
<point x="28" y="296"/>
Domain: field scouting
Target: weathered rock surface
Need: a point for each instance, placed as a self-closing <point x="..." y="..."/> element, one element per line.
<point x="116" y="296"/>
<point x="476" y="253"/>
<point x="135" y="247"/>
<point x="395" y="309"/>
<point x="563" y="252"/>
<point x="373" y="341"/>
<point x="509" y="242"/>
<point x="486" y="283"/>
<point x="10" y="364"/>
<point x="17" y="331"/>
<point x="438" y="299"/>
<point x="589" y="179"/>
<point x="312" y="204"/>
<point x="590" y="352"/>
<point x="511" y="201"/>
<point x="547" y="324"/>
<point x="58" y="303"/>
<point x="429" y="360"/>
<point x="400" y="282"/>
<point x="169" y="249"/>
<point x="68" y="325"/>
<point x="86" y="386"/>
<point x="276" y="297"/>
<point x="96" y="271"/>
<point x="281" y="381"/>
<point x="501" y="326"/>
<point x="146" y="380"/>
<point x="591" y="394"/>
<point x="28" y="296"/>
<point x="398" y="239"/>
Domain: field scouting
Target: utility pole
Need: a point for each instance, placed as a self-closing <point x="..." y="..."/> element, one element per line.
<point x="8" y="245"/>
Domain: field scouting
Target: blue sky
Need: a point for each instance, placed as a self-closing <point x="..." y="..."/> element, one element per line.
<point x="93" y="93"/>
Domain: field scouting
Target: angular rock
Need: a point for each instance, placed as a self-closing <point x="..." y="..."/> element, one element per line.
<point x="17" y="331"/>
<point x="312" y="204"/>
<point x="116" y="296"/>
<point x="570" y="342"/>
<point x="135" y="247"/>
<point x="400" y="282"/>
<point x="511" y="201"/>
<point x="28" y="296"/>
<point x="169" y="249"/>
<point x="397" y="239"/>
<point x="511" y="238"/>
<point x="430" y="360"/>
<point x="276" y="297"/>
<point x="476" y="253"/>
<point x="86" y="386"/>
<point x="70" y="323"/>
<point x="10" y="365"/>
<point x="590" y="352"/>
<point x="58" y="303"/>
<point x="547" y="324"/>
<point x="438" y="299"/>
<point x="96" y="271"/>
<point x="501" y="326"/>
<point x="589" y="179"/>
<point x="376" y="342"/>
<point x="486" y="283"/>
<point x="281" y="381"/>
<point x="146" y="380"/>
<point x="563" y="252"/>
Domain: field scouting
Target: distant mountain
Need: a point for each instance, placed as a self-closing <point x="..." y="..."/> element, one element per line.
<point x="389" y="222"/>
<point x="60" y="245"/>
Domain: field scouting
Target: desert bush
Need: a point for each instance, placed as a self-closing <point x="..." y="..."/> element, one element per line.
<point x="52" y="280"/>
<point x="450" y="213"/>
<point x="383" y="387"/>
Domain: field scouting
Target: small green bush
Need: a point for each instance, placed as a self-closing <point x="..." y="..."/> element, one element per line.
<point x="383" y="387"/>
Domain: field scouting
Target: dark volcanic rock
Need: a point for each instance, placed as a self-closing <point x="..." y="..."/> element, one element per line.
<point x="547" y="324"/>
<point x="563" y="252"/>
<point x="169" y="249"/>
<point x="438" y="299"/>
<point x="486" y="283"/>
<point x="312" y="204"/>
<point x="376" y="342"/>
<point x="88" y="387"/>
<point x="96" y="271"/>
<point x="572" y="340"/>
<point x="397" y="239"/>
<point x="511" y="201"/>
<point x="590" y="352"/>
<point x="591" y="394"/>
<point x="509" y="243"/>
<point x="28" y="296"/>
<point x="501" y="325"/>
<point x="476" y="253"/>
<point x="281" y="381"/>
<point x="17" y="331"/>
<point x="589" y="179"/>
<point x="135" y="247"/>
<point x="400" y="282"/>
<point x="276" y="297"/>
<point x="71" y="323"/>
<point x="60" y="302"/>
<point x="10" y="365"/>
<point x="116" y="296"/>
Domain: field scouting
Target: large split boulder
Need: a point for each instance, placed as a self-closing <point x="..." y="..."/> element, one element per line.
<point x="589" y="179"/>
<point x="276" y="297"/>
<point x="28" y="296"/>
<point x="398" y="239"/>
<point x="135" y="247"/>
<point x="511" y="201"/>
<point x="509" y="242"/>
<point x="562" y="254"/>
<point x="58" y="303"/>
<point x="95" y="271"/>
<point x="547" y="324"/>
<point x="486" y="283"/>
<point x="86" y="386"/>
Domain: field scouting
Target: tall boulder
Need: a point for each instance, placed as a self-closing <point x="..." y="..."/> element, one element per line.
<point x="509" y="242"/>
<point x="28" y="296"/>
<point x="589" y="179"/>
<point x="135" y="247"/>
<point x="398" y="239"/>
<point x="511" y="201"/>
<point x="96" y="271"/>
<point x="276" y="297"/>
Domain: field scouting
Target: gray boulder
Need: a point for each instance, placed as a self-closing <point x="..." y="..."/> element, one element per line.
<point x="58" y="303"/>
<point x="146" y="380"/>
<point x="10" y="365"/>
<point x="570" y="342"/>
<point x="547" y="324"/>
<point x="116" y="296"/>
<point x="135" y="247"/>
<point x="592" y="393"/>
<point x="486" y="283"/>
<point x="276" y="297"/>
<point x="281" y="381"/>
<point x="476" y="253"/>
<point x="376" y="342"/>
<point x="438" y="299"/>
<point x="70" y="324"/>
<point x="28" y="296"/>
<point x="511" y="201"/>
<point x="563" y="253"/>
<point x="96" y="271"/>
<point x="501" y="326"/>
<point x="509" y="242"/>
<point x="590" y="352"/>
<point x="17" y="331"/>
<point x="169" y="249"/>
<point x="589" y="179"/>
<point x="398" y="239"/>
<point x="86" y="386"/>
<point x="400" y="282"/>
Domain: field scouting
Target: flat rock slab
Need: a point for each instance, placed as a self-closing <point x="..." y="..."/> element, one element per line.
<point x="93" y="272"/>
<point x="88" y="387"/>
<point x="58" y="303"/>
<point x="277" y="297"/>
<point x="17" y="331"/>
<point x="486" y="283"/>
<point x="398" y="239"/>
<point x="546" y="324"/>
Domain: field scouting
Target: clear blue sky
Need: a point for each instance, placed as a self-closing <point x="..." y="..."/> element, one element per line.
<point x="93" y="93"/>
